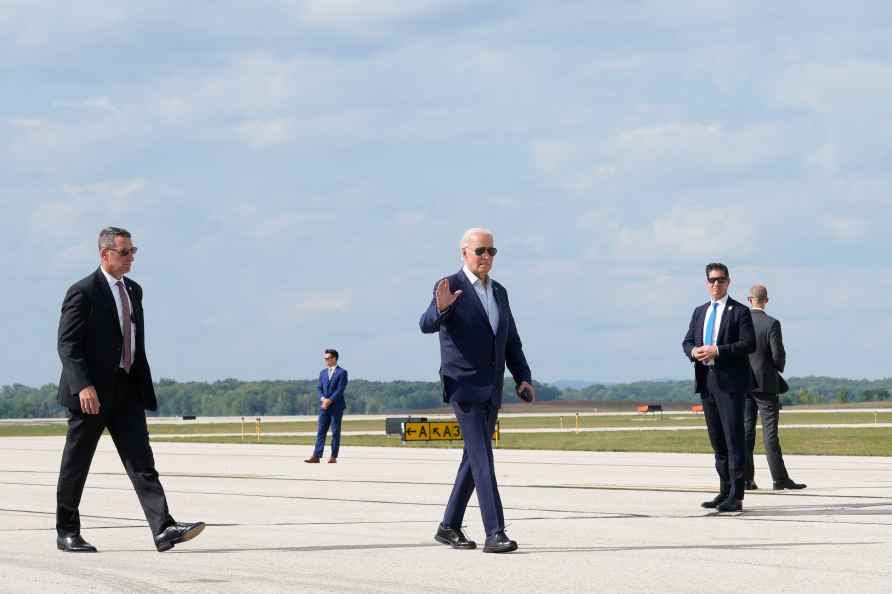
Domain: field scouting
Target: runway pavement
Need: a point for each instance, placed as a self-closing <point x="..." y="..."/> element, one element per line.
<point x="585" y="521"/>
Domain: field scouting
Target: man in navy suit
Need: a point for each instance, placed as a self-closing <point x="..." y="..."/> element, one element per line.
<point x="478" y="338"/>
<point x="719" y="340"/>
<point x="332" y="383"/>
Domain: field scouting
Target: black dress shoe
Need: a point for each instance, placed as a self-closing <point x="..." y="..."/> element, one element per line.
<point x="499" y="543"/>
<point x="177" y="533"/>
<point x="730" y="505"/>
<point x="714" y="503"/>
<point x="787" y="484"/>
<point x="750" y="485"/>
<point x="453" y="537"/>
<point x="74" y="544"/>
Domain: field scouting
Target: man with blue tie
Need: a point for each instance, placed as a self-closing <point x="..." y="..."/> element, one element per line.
<point x="478" y="339"/>
<point x="332" y="384"/>
<point x="719" y="340"/>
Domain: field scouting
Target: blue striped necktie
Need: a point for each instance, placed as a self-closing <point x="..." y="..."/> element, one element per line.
<point x="710" y="326"/>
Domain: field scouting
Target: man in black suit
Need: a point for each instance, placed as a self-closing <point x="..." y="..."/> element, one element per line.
<point x="719" y="340"/>
<point x="478" y="339"/>
<point x="106" y="384"/>
<point x="768" y="363"/>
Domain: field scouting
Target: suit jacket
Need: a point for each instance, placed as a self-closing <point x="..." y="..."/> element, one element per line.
<point x="736" y="340"/>
<point x="473" y="357"/>
<point x="333" y="389"/>
<point x="90" y="342"/>
<point x="769" y="359"/>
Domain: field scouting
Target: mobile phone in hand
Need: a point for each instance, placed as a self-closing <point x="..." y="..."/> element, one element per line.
<point x="526" y="395"/>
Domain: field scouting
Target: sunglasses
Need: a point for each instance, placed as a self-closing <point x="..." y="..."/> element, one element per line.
<point x="488" y="250"/>
<point x="717" y="279"/>
<point x="124" y="252"/>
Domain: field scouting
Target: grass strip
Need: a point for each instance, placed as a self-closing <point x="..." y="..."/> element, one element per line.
<point x="866" y="441"/>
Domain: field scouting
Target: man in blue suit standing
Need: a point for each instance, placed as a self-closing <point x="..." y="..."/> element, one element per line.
<point x="332" y="383"/>
<point x="719" y="341"/>
<point x="478" y="339"/>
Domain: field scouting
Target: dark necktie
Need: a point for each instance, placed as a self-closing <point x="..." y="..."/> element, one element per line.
<point x="127" y="360"/>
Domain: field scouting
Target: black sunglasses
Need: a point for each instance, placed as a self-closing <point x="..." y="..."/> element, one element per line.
<point x="489" y="250"/>
<point x="124" y="252"/>
<point x="717" y="279"/>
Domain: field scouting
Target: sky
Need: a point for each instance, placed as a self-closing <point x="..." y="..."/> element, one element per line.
<point x="297" y="175"/>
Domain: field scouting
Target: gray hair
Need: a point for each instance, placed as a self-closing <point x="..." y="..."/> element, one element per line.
<point x="466" y="238"/>
<point x="107" y="236"/>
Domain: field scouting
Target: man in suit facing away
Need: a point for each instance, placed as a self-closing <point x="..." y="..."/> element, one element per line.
<point x="768" y="363"/>
<point x="478" y="339"/>
<point x="332" y="383"/>
<point x="719" y="340"/>
<point x="106" y="384"/>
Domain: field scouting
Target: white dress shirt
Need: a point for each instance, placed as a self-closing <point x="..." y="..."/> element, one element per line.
<point x="486" y="296"/>
<point x="112" y="282"/>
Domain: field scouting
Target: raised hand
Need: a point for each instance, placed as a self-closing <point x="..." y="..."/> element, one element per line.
<point x="445" y="297"/>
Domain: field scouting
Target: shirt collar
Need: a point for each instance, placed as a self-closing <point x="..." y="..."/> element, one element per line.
<point x="723" y="301"/>
<point x="757" y="309"/>
<point x="111" y="280"/>
<point x="472" y="278"/>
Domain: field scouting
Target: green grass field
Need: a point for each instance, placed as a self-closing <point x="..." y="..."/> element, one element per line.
<point x="861" y="441"/>
<point x="567" y="421"/>
<point x="866" y="441"/>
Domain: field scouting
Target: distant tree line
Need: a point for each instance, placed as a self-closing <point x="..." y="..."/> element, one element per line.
<point x="803" y="390"/>
<point x="232" y="397"/>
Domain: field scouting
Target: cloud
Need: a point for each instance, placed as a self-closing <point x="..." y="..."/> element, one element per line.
<point x="824" y="159"/>
<point x="668" y="153"/>
<point x="78" y="203"/>
<point x="830" y="87"/>
<point x="698" y="231"/>
<point x="351" y="13"/>
<point x="844" y="227"/>
<point x="660" y="141"/>
<point x="308" y="305"/>
<point x="61" y="226"/>
<point x="269" y="132"/>
<point x="97" y="103"/>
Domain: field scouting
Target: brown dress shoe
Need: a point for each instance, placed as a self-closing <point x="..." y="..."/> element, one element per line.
<point x="312" y="460"/>
<point x="332" y="460"/>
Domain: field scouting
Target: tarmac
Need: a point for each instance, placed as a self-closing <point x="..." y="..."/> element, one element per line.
<point x="585" y="522"/>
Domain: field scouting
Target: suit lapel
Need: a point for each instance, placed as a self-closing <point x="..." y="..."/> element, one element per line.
<point x="134" y="315"/>
<point x="108" y="299"/>
<point x="698" y="326"/>
<point x="469" y="290"/>
<point x="723" y="326"/>
<point x="500" y="304"/>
